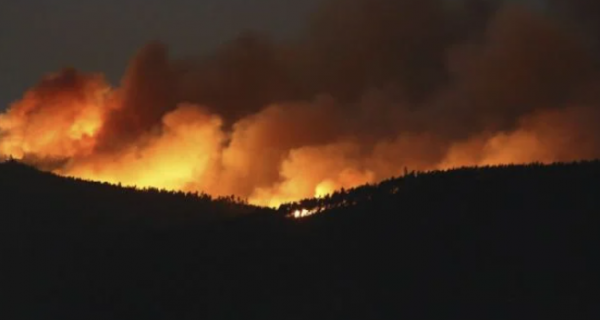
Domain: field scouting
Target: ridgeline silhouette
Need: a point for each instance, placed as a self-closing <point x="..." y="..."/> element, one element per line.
<point x="38" y="200"/>
<point x="516" y="242"/>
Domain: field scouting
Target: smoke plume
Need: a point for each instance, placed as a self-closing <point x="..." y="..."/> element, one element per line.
<point x="373" y="87"/>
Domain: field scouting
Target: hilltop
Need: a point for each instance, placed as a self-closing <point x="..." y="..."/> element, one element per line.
<point x="496" y="242"/>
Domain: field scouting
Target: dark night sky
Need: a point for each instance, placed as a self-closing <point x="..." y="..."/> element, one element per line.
<point x="41" y="36"/>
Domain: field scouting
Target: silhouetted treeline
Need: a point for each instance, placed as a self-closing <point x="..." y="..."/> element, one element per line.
<point x="38" y="200"/>
<point x="465" y="178"/>
<point x="509" y="242"/>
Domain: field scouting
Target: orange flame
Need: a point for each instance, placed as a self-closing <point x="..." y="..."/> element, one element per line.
<point x="189" y="150"/>
<point x="303" y="213"/>
<point x="215" y="128"/>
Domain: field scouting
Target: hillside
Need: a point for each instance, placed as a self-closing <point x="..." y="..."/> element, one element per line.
<point x="512" y="242"/>
<point x="33" y="199"/>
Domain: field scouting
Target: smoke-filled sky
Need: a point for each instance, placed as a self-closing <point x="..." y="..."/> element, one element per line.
<point x="351" y="93"/>
<point x="100" y="35"/>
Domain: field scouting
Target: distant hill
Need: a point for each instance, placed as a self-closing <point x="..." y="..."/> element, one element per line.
<point x="510" y="242"/>
<point x="33" y="199"/>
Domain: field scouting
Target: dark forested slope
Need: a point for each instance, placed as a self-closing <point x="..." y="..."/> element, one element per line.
<point x="513" y="242"/>
<point x="32" y="199"/>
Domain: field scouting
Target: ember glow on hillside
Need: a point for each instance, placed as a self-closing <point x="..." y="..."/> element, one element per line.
<point x="417" y="84"/>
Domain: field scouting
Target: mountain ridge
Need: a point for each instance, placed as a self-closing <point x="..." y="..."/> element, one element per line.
<point x="515" y="242"/>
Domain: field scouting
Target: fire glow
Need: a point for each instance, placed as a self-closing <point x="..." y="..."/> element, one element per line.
<point x="248" y="123"/>
<point x="303" y="213"/>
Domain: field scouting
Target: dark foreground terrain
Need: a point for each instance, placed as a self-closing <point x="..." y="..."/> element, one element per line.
<point x="514" y="242"/>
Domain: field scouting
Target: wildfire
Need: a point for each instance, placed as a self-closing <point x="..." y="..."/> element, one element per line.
<point x="324" y="188"/>
<point x="65" y="116"/>
<point x="276" y="124"/>
<point x="303" y="213"/>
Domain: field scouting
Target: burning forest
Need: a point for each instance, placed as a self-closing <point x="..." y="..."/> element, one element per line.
<point x="371" y="88"/>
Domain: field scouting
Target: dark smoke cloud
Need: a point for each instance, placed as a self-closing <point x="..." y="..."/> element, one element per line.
<point x="146" y="95"/>
<point x="240" y="78"/>
<point x="352" y="46"/>
<point x="393" y="68"/>
<point x="524" y="62"/>
<point x="580" y="13"/>
<point x="373" y="86"/>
